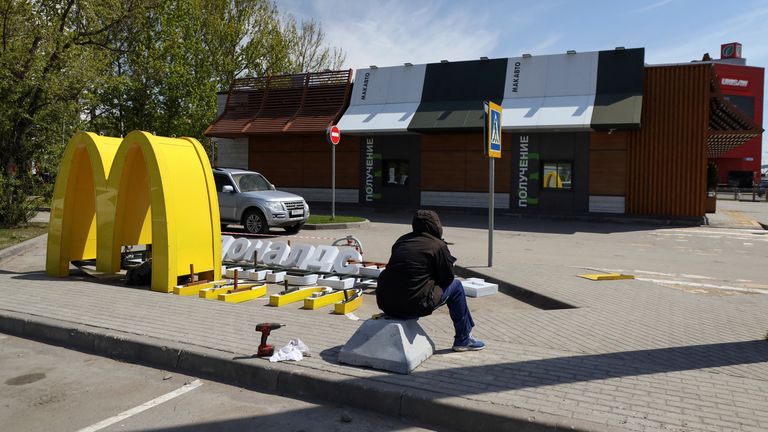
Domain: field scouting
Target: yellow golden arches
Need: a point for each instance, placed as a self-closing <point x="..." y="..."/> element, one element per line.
<point x="158" y="191"/>
<point x="81" y="182"/>
<point x="548" y="180"/>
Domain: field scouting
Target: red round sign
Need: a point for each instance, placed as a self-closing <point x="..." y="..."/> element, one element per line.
<point x="334" y="135"/>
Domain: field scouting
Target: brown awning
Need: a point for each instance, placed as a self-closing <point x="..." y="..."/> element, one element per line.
<point x="728" y="126"/>
<point x="301" y="103"/>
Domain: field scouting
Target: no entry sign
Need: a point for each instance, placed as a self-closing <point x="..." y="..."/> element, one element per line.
<point x="334" y="135"/>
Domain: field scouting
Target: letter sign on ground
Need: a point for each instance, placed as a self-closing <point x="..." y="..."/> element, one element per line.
<point x="334" y="135"/>
<point x="493" y="145"/>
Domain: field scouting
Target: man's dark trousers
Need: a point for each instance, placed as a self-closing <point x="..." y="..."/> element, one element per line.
<point x="456" y="300"/>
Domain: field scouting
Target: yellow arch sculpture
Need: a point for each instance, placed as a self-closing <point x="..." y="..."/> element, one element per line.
<point x="158" y="191"/>
<point x="81" y="181"/>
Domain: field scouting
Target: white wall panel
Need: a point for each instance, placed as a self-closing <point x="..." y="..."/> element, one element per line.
<point x="463" y="199"/>
<point x="606" y="204"/>
<point x="321" y="195"/>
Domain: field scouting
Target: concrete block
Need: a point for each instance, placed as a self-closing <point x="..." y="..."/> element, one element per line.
<point x="254" y="274"/>
<point x="337" y="283"/>
<point x="309" y="279"/>
<point x="275" y="277"/>
<point x="371" y="271"/>
<point x="388" y="344"/>
<point x="231" y="272"/>
<point x="476" y="287"/>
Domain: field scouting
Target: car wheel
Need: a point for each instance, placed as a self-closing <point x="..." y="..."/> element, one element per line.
<point x="254" y="222"/>
<point x="293" y="229"/>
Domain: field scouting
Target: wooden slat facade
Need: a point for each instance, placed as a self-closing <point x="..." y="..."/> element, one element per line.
<point x="667" y="156"/>
<point x="608" y="163"/>
<point x="455" y="162"/>
<point x="305" y="161"/>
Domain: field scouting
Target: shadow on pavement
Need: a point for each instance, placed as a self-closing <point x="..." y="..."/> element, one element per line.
<point x="500" y="377"/>
<point x="478" y="219"/>
<point x="306" y="419"/>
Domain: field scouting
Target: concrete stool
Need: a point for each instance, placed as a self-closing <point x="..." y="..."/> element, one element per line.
<point x="389" y="344"/>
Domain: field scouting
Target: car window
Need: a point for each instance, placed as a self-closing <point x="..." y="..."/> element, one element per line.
<point x="251" y="182"/>
<point x="221" y="181"/>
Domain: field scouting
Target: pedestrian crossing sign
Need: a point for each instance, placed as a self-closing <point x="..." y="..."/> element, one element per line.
<point x="493" y="131"/>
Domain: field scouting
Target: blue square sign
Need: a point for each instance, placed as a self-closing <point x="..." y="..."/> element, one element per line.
<point x="493" y="130"/>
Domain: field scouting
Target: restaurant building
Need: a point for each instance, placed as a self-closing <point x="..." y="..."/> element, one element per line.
<point x="594" y="132"/>
<point x="743" y="86"/>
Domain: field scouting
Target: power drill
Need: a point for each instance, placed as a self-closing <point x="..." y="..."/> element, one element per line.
<point x="266" y="350"/>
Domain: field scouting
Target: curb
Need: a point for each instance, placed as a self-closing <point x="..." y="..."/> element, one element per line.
<point x="19" y="248"/>
<point x="345" y="225"/>
<point x="425" y="407"/>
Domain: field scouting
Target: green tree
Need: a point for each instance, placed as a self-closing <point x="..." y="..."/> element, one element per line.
<point x="112" y="66"/>
<point x="50" y="52"/>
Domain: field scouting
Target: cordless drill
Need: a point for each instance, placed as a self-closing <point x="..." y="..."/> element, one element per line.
<point x="265" y="349"/>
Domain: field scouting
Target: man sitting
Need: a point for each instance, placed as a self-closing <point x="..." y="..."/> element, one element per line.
<point x="419" y="278"/>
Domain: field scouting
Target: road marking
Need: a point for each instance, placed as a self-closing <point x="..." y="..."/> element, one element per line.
<point x="704" y="285"/>
<point x="352" y="316"/>
<point x="143" y="407"/>
<point x="693" y="276"/>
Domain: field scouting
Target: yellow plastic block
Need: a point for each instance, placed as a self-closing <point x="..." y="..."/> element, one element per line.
<point x="343" y="308"/>
<point x="194" y="289"/>
<point x="294" y="296"/>
<point x="242" y="296"/>
<point x="322" y="301"/>
<point x="213" y="293"/>
<point x="606" y="276"/>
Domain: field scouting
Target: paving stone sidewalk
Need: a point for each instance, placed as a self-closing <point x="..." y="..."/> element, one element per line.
<point x="630" y="355"/>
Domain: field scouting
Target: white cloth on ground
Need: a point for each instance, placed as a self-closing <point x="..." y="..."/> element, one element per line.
<point x="295" y="350"/>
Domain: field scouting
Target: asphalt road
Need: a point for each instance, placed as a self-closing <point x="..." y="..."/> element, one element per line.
<point x="48" y="388"/>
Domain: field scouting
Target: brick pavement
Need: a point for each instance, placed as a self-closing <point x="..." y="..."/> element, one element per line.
<point x="632" y="355"/>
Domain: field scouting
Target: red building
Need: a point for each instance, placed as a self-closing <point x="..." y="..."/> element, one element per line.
<point x="743" y="86"/>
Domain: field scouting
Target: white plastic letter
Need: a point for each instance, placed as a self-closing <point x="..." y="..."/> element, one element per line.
<point x="323" y="258"/>
<point x="237" y="249"/>
<point x="299" y="256"/>
<point x="342" y="266"/>
<point x="277" y="253"/>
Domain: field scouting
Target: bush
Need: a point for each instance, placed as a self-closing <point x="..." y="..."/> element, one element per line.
<point x="16" y="205"/>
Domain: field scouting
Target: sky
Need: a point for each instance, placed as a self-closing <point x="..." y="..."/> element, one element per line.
<point x="392" y="32"/>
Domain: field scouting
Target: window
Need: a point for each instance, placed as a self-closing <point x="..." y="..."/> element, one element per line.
<point x="251" y="182"/>
<point x="557" y="175"/>
<point x="221" y="181"/>
<point x="395" y="173"/>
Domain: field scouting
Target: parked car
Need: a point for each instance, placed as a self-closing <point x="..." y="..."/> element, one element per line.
<point x="248" y="198"/>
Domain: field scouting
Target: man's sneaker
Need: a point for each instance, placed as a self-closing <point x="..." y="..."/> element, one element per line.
<point x="471" y="345"/>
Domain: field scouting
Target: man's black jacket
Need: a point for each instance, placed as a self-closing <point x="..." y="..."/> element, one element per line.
<point x="420" y="267"/>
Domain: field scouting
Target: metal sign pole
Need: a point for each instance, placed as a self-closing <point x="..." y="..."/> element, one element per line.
<point x="333" y="182"/>
<point x="491" y="189"/>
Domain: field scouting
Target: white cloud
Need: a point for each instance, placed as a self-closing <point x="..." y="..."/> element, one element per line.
<point x="390" y="33"/>
<point x="544" y="45"/>
<point x="652" y="6"/>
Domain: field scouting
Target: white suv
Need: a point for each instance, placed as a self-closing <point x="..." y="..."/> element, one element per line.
<point x="248" y="198"/>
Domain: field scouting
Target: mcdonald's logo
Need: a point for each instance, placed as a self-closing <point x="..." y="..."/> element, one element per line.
<point x="140" y="190"/>
<point x="553" y="180"/>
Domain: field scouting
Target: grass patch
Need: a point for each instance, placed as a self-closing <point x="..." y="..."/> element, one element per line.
<point x="12" y="236"/>
<point x="326" y="219"/>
